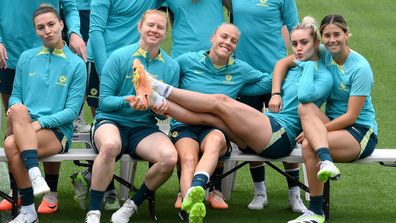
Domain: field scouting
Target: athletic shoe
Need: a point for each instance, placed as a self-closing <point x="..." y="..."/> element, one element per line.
<point x="25" y="217"/>
<point x="141" y="83"/>
<point x="197" y="213"/>
<point x="328" y="171"/>
<point x="40" y="186"/>
<point x="5" y="205"/>
<point x="309" y="216"/>
<point x="179" y="200"/>
<point x="295" y="203"/>
<point x="93" y="217"/>
<point x="195" y="195"/>
<point x="81" y="126"/>
<point x="259" y="201"/>
<point x="110" y="200"/>
<point x="216" y="200"/>
<point x="125" y="212"/>
<point x="49" y="204"/>
<point x="81" y="188"/>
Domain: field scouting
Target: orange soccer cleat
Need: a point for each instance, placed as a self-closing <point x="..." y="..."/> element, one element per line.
<point x="141" y="82"/>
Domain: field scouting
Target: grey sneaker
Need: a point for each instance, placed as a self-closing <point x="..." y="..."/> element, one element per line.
<point x="80" y="126"/>
<point x="110" y="201"/>
<point x="81" y="188"/>
<point x="24" y="217"/>
<point x="295" y="203"/>
<point x="259" y="201"/>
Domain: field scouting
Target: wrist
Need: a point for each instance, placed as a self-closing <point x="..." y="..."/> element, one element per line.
<point x="275" y="93"/>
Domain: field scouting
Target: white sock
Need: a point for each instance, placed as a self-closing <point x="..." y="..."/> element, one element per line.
<point x="156" y="99"/>
<point x="31" y="211"/>
<point x="51" y="197"/>
<point x="260" y="187"/>
<point x="33" y="173"/>
<point x="160" y="87"/>
<point x="294" y="190"/>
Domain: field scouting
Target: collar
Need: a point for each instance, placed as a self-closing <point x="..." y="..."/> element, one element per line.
<point x="206" y="58"/>
<point x="145" y="54"/>
<point x="56" y="52"/>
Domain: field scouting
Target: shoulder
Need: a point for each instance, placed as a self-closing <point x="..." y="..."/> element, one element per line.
<point x="189" y="56"/>
<point x="28" y="54"/>
<point x="72" y="57"/>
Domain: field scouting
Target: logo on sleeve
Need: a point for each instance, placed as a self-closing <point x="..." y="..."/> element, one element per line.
<point x="62" y="80"/>
<point x="263" y="3"/>
<point x="343" y="87"/>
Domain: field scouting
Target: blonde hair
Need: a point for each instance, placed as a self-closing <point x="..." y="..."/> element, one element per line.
<point x="309" y="23"/>
<point x="155" y="11"/>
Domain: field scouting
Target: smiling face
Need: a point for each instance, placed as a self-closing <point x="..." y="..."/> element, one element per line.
<point x="303" y="44"/>
<point x="49" y="28"/>
<point x="335" y="39"/>
<point x="152" y="29"/>
<point x="224" y="41"/>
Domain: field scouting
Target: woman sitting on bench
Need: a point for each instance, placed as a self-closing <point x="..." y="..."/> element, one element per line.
<point x="47" y="96"/>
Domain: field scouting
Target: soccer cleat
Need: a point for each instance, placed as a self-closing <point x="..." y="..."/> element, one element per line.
<point x="125" y="212"/>
<point x="93" y="217"/>
<point x="179" y="199"/>
<point x="6" y="205"/>
<point x="197" y="213"/>
<point x="49" y="204"/>
<point x="295" y="203"/>
<point x="141" y="82"/>
<point x="25" y="217"/>
<point x="216" y="200"/>
<point x="80" y="126"/>
<point x="40" y="186"/>
<point x="259" y="201"/>
<point x="195" y="195"/>
<point x="110" y="201"/>
<point x="309" y="217"/>
<point x="328" y="171"/>
<point x="81" y="188"/>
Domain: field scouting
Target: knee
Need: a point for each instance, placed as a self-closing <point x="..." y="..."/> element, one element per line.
<point x="10" y="148"/>
<point x="217" y="142"/>
<point x="168" y="160"/>
<point x="188" y="162"/>
<point x="109" y="150"/>
<point x="307" y="152"/>
<point x="17" y="112"/>
<point x="305" y="110"/>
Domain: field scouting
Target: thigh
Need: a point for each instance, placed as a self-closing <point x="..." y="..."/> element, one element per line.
<point x="343" y="146"/>
<point x="187" y="149"/>
<point x="154" y="147"/>
<point x="106" y="132"/>
<point x="48" y="143"/>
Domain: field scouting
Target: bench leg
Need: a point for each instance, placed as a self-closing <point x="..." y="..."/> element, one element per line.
<point x="326" y="199"/>
<point x="127" y="172"/>
<point x="228" y="182"/>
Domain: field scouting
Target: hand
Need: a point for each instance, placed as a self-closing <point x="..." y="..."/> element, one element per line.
<point x="136" y="103"/>
<point x="3" y="56"/>
<point x="77" y="44"/>
<point x="275" y="103"/>
<point x="36" y="125"/>
<point x="302" y="63"/>
<point x="160" y="109"/>
<point x="300" y="138"/>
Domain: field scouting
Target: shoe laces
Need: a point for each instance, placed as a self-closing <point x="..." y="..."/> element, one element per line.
<point x="128" y="208"/>
<point x="21" y="218"/>
<point x="93" y="216"/>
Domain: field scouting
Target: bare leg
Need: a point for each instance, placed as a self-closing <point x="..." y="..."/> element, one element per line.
<point x="187" y="150"/>
<point x="212" y="147"/>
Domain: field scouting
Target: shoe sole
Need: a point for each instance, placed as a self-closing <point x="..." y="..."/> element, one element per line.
<point x="326" y="175"/>
<point x="196" y="195"/>
<point x="198" y="213"/>
<point x="140" y="76"/>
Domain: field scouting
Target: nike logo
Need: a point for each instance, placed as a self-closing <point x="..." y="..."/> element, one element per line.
<point x="198" y="72"/>
<point x="32" y="73"/>
<point x="127" y="76"/>
<point x="52" y="206"/>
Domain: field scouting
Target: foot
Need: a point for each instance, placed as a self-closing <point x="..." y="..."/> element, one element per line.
<point x="141" y="82"/>
<point x="259" y="201"/>
<point x="328" y="171"/>
<point x="80" y="126"/>
<point x="178" y="203"/>
<point x="40" y="186"/>
<point x="125" y="212"/>
<point x="93" y="217"/>
<point x="216" y="200"/>
<point x="308" y="216"/>
<point x="295" y="203"/>
<point x="49" y="204"/>
<point x="197" y="213"/>
<point x="195" y="195"/>
<point x="25" y="217"/>
<point x="110" y="200"/>
<point x="81" y="188"/>
<point x="5" y="205"/>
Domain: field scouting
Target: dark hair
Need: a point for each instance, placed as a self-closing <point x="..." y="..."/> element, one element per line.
<point x="45" y="8"/>
<point x="337" y="20"/>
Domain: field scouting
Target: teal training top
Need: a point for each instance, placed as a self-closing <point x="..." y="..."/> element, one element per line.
<point x="260" y="22"/>
<point x="194" y="23"/>
<point x="312" y="84"/>
<point x="353" y="78"/>
<point x="197" y="73"/>
<point x="116" y="84"/>
<point x="51" y="84"/>
<point x="83" y="4"/>
<point x="114" y="24"/>
<point x="16" y="26"/>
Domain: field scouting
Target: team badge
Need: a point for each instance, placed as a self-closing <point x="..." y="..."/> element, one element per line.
<point x="175" y="134"/>
<point x="263" y="3"/>
<point x="62" y="80"/>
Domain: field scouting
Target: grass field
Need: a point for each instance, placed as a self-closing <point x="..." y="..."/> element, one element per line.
<point x="364" y="194"/>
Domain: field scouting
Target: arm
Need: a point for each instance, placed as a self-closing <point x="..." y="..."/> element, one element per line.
<point x="98" y="21"/>
<point x="257" y="82"/>
<point x="314" y="84"/>
<point x="74" y="101"/>
<point x="3" y="56"/>
<point x="72" y="18"/>
<point x="355" y="104"/>
<point x="16" y="95"/>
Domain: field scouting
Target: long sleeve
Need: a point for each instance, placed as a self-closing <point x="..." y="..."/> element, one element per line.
<point x="71" y="16"/>
<point x="16" y="95"/>
<point x="257" y="83"/>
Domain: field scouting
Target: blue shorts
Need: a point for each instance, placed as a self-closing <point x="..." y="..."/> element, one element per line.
<point x="62" y="139"/>
<point x="84" y="23"/>
<point x="279" y="144"/>
<point x="7" y="77"/>
<point x="366" y="137"/>
<point x="198" y="133"/>
<point x="92" y="86"/>
<point x="130" y="137"/>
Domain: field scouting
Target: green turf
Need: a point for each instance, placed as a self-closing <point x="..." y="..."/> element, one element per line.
<point x="363" y="194"/>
